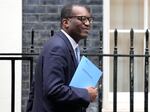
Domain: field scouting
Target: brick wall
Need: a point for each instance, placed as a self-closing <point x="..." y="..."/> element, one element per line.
<point x="42" y="16"/>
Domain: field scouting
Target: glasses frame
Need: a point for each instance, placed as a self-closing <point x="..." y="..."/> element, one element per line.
<point x="83" y="19"/>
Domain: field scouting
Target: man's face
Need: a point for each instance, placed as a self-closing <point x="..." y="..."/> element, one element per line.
<point x="79" y="23"/>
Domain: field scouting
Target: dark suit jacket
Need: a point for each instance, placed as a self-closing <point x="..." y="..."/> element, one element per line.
<point x="53" y="74"/>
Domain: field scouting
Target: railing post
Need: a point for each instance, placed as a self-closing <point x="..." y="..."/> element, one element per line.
<point x="84" y="47"/>
<point x="131" y="67"/>
<point x="31" y="71"/>
<point x="115" y="62"/>
<point x="101" y="51"/>
<point x="32" y="41"/>
<point x="12" y="85"/>
<point x="146" y="72"/>
<point x="100" y="83"/>
<point x="52" y="33"/>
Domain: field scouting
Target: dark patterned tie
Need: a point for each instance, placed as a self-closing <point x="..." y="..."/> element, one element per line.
<point x="77" y="50"/>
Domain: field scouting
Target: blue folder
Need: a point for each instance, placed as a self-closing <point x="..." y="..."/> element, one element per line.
<point x="87" y="74"/>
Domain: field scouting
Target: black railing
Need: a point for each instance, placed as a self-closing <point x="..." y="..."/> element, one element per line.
<point x="146" y="73"/>
<point x="13" y="59"/>
<point x="100" y="55"/>
<point x="131" y="70"/>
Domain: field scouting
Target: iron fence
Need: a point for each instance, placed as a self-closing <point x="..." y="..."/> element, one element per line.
<point x="100" y="55"/>
<point x="13" y="59"/>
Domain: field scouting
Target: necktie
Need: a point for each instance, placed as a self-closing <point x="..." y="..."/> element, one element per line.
<point x="77" y="51"/>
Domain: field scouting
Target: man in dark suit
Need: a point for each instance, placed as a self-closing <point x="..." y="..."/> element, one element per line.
<point x="57" y="64"/>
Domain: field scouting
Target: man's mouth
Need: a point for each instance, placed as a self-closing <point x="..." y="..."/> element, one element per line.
<point x="86" y="30"/>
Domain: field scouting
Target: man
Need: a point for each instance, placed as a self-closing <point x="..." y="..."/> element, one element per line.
<point x="57" y="64"/>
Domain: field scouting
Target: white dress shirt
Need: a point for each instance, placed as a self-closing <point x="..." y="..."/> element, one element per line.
<point x="74" y="45"/>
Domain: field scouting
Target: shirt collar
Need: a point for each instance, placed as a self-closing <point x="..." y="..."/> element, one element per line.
<point x="72" y="41"/>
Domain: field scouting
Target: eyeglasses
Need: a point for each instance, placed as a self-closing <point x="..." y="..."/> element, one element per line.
<point x="83" y="19"/>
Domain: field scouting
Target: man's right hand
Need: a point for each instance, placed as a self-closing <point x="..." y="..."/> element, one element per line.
<point x="92" y="92"/>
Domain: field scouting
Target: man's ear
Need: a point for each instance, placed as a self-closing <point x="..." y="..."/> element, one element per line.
<point x="65" y="23"/>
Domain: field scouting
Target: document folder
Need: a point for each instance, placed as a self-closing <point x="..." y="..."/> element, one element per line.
<point x="86" y="74"/>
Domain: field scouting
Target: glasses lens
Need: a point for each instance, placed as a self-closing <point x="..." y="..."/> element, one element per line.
<point x="84" y="19"/>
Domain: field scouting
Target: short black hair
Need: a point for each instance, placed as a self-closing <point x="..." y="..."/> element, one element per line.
<point x="67" y="10"/>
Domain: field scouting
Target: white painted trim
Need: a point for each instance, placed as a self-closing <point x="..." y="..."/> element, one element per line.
<point x="10" y="42"/>
<point x="122" y="97"/>
<point x="145" y="14"/>
<point x="11" y="26"/>
<point x="124" y="102"/>
<point x="106" y="28"/>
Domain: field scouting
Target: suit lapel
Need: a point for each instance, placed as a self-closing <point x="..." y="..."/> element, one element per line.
<point x="63" y="36"/>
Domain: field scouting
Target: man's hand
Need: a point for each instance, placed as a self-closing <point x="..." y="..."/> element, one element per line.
<point x="92" y="92"/>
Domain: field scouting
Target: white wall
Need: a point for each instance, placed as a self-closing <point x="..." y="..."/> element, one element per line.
<point x="10" y="42"/>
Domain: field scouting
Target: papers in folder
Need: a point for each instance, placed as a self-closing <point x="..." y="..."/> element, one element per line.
<point x="87" y="74"/>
